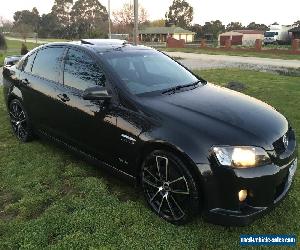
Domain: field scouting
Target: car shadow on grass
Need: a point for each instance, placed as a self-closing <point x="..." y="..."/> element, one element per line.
<point x="116" y="184"/>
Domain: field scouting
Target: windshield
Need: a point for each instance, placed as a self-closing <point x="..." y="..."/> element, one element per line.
<point x="148" y="71"/>
<point x="271" y="34"/>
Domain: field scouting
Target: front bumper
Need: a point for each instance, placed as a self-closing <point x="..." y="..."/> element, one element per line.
<point x="269" y="41"/>
<point x="266" y="187"/>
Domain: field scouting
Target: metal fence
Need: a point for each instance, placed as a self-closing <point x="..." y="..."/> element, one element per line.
<point x="155" y="44"/>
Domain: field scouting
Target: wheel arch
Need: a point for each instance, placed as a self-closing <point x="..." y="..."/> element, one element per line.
<point x="15" y="93"/>
<point x="149" y="147"/>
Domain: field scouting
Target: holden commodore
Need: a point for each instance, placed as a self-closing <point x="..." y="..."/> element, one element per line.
<point x="191" y="146"/>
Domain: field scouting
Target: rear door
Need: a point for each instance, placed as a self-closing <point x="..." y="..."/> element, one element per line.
<point x="40" y="81"/>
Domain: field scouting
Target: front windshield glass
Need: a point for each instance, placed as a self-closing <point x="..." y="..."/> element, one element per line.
<point x="271" y="34"/>
<point x="148" y="71"/>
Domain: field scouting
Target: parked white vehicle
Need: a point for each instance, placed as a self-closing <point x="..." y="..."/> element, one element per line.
<point x="278" y="34"/>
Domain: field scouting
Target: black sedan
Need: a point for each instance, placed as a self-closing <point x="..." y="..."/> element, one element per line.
<point x="192" y="146"/>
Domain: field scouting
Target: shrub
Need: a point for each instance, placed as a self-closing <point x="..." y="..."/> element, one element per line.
<point x="24" y="49"/>
<point x="3" y="45"/>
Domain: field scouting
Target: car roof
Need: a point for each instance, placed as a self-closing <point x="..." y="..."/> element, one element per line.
<point x="102" y="45"/>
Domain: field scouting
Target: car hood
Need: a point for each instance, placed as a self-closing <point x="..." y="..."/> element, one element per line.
<point x="221" y="115"/>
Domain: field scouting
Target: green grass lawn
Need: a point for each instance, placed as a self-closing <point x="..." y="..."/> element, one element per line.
<point x="53" y="40"/>
<point x="51" y="199"/>
<point x="14" y="48"/>
<point x="262" y="54"/>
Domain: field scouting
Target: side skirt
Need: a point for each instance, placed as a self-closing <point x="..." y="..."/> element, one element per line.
<point x="90" y="158"/>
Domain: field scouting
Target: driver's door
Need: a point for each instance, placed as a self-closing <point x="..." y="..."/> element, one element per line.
<point x="87" y="125"/>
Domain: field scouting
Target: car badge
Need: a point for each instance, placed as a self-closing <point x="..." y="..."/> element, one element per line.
<point x="285" y="141"/>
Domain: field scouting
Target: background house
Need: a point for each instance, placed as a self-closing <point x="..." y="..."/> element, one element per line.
<point x="160" y="34"/>
<point x="120" y="36"/>
<point x="295" y="32"/>
<point x="241" y="37"/>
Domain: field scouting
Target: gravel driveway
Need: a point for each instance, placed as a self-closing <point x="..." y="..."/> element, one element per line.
<point x="203" y="61"/>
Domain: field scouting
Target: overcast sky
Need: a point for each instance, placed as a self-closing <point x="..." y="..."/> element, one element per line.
<point x="260" y="11"/>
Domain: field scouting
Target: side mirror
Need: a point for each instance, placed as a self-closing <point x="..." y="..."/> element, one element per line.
<point x="96" y="93"/>
<point x="11" y="60"/>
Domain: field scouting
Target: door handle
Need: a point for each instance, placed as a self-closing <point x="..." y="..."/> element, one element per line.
<point x="25" y="81"/>
<point x="63" y="97"/>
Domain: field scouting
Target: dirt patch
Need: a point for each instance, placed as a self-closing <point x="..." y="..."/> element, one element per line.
<point x="7" y="216"/>
<point x="237" y="86"/>
<point x="123" y="191"/>
<point x="7" y="198"/>
<point x="40" y="209"/>
<point x="67" y="188"/>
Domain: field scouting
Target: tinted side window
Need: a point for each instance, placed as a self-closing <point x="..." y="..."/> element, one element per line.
<point x="47" y="63"/>
<point x="27" y="65"/>
<point x="81" y="71"/>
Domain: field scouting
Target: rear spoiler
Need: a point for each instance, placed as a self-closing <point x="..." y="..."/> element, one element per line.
<point x="11" y="60"/>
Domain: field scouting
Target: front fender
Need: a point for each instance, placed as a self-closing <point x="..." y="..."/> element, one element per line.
<point x="181" y="140"/>
<point x="10" y="83"/>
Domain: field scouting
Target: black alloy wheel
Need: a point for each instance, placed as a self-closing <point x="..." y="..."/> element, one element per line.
<point x="169" y="188"/>
<point x="19" y="121"/>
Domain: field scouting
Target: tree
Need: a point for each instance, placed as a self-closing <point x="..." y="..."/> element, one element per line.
<point x="123" y="19"/>
<point x="180" y="14"/>
<point x="89" y="17"/>
<point x="297" y="23"/>
<point x="3" y="45"/>
<point x="213" y="29"/>
<point x="24" y="30"/>
<point x="24" y="49"/>
<point x="198" y="29"/>
<point x="49" y="26"/>
<point x="26" y="17"/>
<point x="256" y="26"/>
<point x="35" y="19"/>
<point x="5" y="25"/>
<point x="234" y="26"/>
<point x="1" y="21"/>
<point x="125" y="15"/>
<point x="158" y="23"/>
<point x="61" y="11"/>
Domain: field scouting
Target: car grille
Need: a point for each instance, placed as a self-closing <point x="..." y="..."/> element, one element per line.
<point x="279" y="145"/>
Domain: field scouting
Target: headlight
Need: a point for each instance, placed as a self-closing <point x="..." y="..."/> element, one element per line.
<point x="241" y="157"/>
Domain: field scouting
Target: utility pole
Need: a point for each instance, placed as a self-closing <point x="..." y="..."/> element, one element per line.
<point x="136" y="22"/>
<point x="109" y="24"/>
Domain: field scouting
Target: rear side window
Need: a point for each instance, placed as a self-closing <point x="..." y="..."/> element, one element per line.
<point x="27" y="65"/>
<point x="47" y="63"/>
<point x="81" y="71"/>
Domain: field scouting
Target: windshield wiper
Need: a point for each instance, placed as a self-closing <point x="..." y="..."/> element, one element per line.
<point x="180" y="87"/>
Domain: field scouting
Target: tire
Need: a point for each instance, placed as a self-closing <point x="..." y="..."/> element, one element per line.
<point x="169" y="188"/>
<point x="20" y="121"/>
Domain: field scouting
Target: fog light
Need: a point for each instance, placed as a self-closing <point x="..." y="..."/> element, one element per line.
<point x="242" y="195"/>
